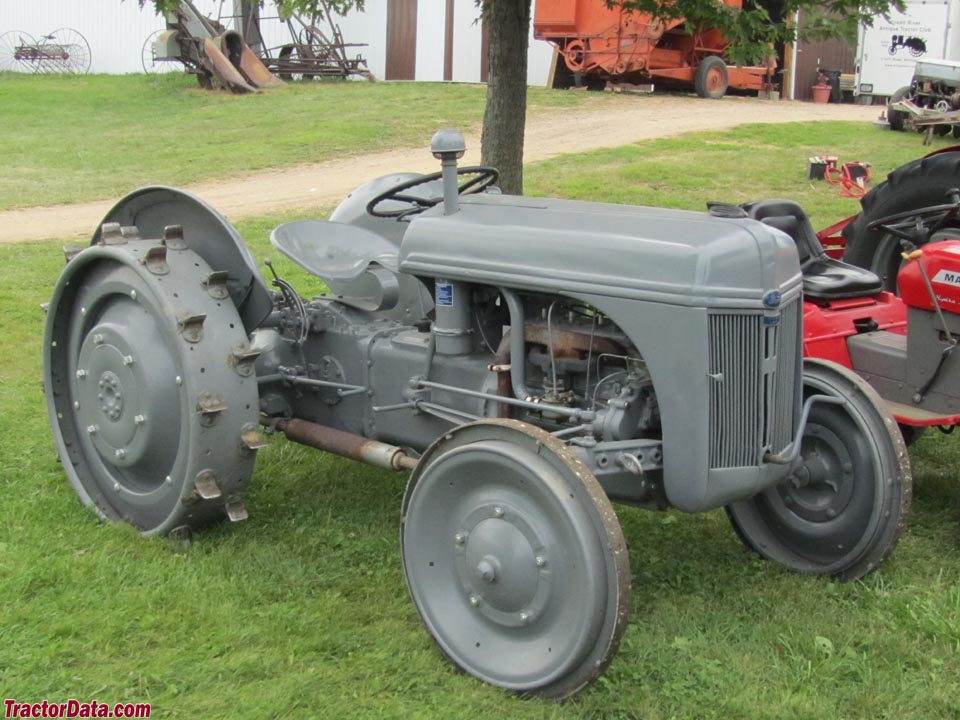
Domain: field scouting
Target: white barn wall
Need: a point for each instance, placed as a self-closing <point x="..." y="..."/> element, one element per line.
<point x="117" y="30"/>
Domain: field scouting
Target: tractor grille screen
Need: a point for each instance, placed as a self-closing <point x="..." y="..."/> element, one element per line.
<point x="754" y="374"/>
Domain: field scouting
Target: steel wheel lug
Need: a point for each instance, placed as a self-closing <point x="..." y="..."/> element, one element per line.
<point x="76" y="404"/>
<point x="133" y="294"/>
<point x="498" y="512"/>
<point x="92" y="429"/>
<point x="474" y="601"/>
<point x="524" y="618"/>
<point x="139" y="419"/>
<point x="81" y="374"/>
<point x="831" y="513"/>
<point x="128" y="360"/>
<point x="179" y="381"/>
<point x="116" y="487"/>
<point x="98" y="339"/>
<point x="168" y="480"/>
<point x="460" y="538"/>
<point x="120" y="453"/>
<point x="540" y="561"/>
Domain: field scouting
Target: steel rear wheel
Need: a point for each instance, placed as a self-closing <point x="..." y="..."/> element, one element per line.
<point x="515" y="559"/>
<point x="842" y="509"/>
<point x="153" y="417"/>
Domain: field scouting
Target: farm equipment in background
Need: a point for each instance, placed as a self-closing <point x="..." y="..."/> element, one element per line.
<point x="241" y="59"/>
<point x="217" y="56"/>
<point x="930" y="102"/>
<point x="600" y="42"/>
<point x="465" y="339"/>
<point x="61" y="51"/>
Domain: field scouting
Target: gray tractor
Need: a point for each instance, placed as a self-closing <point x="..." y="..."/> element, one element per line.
<point x="530" y="360"/>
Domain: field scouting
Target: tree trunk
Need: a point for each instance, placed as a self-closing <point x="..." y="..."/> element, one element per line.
<point x="506" y="111"/>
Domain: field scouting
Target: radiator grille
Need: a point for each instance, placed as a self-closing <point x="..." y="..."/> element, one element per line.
<point x="753" y="370"/>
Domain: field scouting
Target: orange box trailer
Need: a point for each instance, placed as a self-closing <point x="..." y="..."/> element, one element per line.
<point x="610" y="43"/>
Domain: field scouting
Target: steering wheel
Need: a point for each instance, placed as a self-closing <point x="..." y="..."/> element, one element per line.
<point x="912" y="225"/>
<point x="483" y="177"/>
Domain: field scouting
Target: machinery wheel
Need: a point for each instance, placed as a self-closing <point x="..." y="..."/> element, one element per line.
<point x="921" y="183"/>
<point x="17" y="51"/>
<point x="515" y="559"/>
<point x="65" y="50"/>
<point x="842" y="509"/>
<point x="153" y="405"/>
<point x="148" y="58"/>
<point x="711" y="78"/>
<point x="896" y="118"/>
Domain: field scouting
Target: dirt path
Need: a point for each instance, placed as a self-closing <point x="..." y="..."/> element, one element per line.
<point x="548" y="134"/>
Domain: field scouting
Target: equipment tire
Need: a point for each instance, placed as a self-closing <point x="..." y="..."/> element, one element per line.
<point x="844" y="506"/>
<point x="896" y="118"/>
<point x="918" y="184"/>
<point x="711" y="79"/>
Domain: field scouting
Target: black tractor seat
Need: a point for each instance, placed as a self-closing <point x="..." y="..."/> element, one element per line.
<point x="823" y="277"/>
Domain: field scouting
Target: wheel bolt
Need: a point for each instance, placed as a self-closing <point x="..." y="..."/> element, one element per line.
<point x="116" y="487"/>
<point x="168" y="480"/>
<point x="83" y="311"/>
<point x="179" y="381"/>
<point x="524" y="618"/>
<point x="460" y="538"/>
<point x="139" y="419"/>
<point x="541" y="561"/>
<point x="133" y="294"/>
<point x="121" y="453"/>
<point x="98" y="339"/>
<point x="474" y="601"/>
<point x="76" y="404"/>
<point x="81" y="374"/>
<point x="128" y="360"/>
<point x="92" y="429"/>
<point x="831" y="513"/>
<point x="498" y="512"/>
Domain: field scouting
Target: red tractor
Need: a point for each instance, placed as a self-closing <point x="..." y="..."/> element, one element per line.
<point x="892" y="311"/>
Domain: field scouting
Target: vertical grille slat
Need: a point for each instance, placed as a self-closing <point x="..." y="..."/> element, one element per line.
<point x="753" y="368"/>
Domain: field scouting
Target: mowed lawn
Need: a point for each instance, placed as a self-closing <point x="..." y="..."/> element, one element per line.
<point x="302" y="611"/>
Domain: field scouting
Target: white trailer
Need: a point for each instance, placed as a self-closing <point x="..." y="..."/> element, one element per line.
<point x="888" y="50"/>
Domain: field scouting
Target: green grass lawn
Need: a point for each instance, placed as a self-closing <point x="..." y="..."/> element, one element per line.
<point x="73" y="138"/>
<point x="302" y="611"/>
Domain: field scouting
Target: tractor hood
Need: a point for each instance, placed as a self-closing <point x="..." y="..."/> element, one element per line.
<point x="671" y="256"/>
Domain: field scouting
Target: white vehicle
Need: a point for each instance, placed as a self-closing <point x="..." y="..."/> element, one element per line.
<point x="888" y="50"/>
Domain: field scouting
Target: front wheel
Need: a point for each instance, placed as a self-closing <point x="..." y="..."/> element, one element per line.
<point x="843" y="507"/>
<point x="515" y="559"/>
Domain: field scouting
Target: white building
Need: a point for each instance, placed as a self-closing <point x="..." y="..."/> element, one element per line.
<point x="404" y="39"/>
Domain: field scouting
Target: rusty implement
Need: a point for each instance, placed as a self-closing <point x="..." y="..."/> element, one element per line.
<point x="215" y="55"/>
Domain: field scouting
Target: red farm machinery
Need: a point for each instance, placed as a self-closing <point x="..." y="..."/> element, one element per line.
<point x="600" y="43"/>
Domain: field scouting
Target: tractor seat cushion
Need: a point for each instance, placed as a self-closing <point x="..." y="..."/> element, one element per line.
<point x="828" y="279"/>
<point x="823" y="277"/>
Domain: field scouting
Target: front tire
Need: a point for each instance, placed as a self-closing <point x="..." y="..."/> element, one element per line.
<point x="844" y="506"/>
<point x="514" y="558"/>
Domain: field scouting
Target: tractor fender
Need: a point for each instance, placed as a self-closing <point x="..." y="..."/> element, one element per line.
<point x="941" y="151"/>
<point x="206" y="232"/>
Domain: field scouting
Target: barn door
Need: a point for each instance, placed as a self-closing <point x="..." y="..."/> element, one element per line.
<point x="401" y="40"/>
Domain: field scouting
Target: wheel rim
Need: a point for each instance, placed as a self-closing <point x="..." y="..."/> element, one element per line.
<point x="65" y="51"/>
<point x="507" y="568"/>
<point x="147" y="416"/>
<point x="714" y="81"/>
